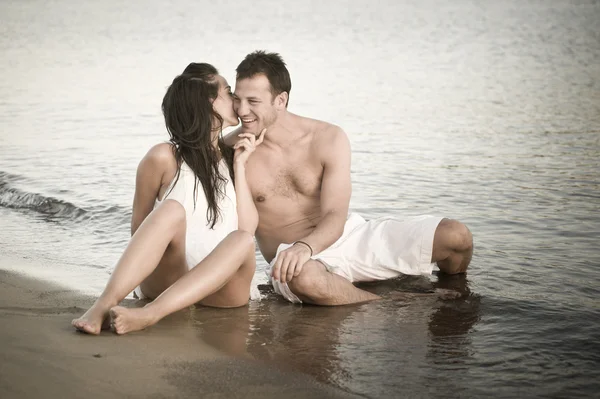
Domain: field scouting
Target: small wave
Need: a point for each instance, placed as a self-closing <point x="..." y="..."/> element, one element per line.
<point x="104" y="216"/>
<point x="11" y="197"/>
<point x="16" y="199"/>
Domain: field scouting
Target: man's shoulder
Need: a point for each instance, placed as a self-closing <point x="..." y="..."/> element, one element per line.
<point x="326" y="138"/>
<point x="321" y="130"/>
<point x="330" y="135"/>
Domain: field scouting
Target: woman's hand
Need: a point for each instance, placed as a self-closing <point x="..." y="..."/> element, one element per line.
<point x="246" y="146"/>
<point x="246" y="210"/>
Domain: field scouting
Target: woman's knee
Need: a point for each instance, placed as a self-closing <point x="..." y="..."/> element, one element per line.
<point x="243" y="238"/>
<point x="172" y="211"/>
<point x="238" y="302"/>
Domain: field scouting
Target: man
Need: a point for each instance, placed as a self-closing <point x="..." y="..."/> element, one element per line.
<point x="300" y="180"/>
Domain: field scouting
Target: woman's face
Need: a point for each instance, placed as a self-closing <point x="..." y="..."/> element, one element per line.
<point x="223" y="104"/>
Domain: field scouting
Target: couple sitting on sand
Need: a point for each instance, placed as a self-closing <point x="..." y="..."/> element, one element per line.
<point x="201" y="198"/>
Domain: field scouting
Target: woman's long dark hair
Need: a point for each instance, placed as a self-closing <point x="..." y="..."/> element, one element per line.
<point x="189" y="115"/>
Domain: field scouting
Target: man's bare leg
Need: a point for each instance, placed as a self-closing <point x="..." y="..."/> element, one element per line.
<point x="452" y="250"/>
<point x="452" y="247"/>
<point x="156" y="251"/>
<point x="317" y="286"/>
<point x="234" y="253"/>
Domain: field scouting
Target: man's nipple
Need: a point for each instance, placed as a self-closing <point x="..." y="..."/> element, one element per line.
<point x="260" y="198"/>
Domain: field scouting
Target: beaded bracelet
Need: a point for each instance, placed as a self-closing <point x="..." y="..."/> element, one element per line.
<point x="305" y="243"/>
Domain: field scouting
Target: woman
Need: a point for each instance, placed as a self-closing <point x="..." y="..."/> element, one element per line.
<point x="192" y="234"/>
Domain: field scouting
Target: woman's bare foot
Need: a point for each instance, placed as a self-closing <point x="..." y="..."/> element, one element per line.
<point x="124" y="320"/>
<point x="94" y="320"/>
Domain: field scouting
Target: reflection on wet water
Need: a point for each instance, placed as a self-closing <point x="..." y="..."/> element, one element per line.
<point x="408" y="332"/>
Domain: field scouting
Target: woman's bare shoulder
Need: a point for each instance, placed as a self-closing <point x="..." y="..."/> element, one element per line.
<point x="160" y="156"/>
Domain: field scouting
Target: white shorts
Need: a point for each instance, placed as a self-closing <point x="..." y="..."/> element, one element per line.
<point x="379" y="249"/>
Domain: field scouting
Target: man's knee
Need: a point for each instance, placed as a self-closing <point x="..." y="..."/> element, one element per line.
<point x="311" y="282"/>
<point x="464" y="237"/>
<point x="457" y="234"/>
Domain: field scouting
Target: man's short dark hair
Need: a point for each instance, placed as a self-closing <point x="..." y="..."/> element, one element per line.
<point x="269" y="64"/>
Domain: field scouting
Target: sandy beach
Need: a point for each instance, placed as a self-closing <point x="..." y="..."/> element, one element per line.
<point x="41" y="355"/>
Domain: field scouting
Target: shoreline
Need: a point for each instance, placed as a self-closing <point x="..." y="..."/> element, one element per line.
<point x="42" y="355"/>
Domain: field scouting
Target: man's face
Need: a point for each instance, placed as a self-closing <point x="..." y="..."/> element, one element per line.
<point x="253" y="103"/>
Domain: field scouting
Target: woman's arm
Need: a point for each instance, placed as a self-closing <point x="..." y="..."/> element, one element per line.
<point x="150" y="177"/>
<point x="247" y="214"/>
<point x="246" y="210"/>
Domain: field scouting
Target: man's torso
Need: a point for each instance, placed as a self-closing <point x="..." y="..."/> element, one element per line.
<point x="286" y="187"/>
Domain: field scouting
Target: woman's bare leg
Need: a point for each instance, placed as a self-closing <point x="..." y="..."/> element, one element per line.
<point x="159" y="241"/>
<point x="207" y="277"/>
<point x="236" y="292"/>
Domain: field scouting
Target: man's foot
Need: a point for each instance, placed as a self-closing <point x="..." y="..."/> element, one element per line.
<point x="124" y="320"/>
<point x="92" y="321"/>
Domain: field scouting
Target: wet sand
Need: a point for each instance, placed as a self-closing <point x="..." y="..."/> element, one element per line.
<point x="41" y="355"/>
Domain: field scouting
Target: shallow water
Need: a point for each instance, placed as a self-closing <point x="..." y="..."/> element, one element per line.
<point x="487" y="112"/>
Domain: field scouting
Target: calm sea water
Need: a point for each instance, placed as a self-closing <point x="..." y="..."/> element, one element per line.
<point x="483" y="111"/>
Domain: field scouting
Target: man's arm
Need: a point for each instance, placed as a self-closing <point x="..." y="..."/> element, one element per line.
<point x="336" y="189"/>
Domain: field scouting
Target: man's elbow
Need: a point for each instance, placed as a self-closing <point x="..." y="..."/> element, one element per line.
<point x="339" y="232"/>
<point x="338" y="227"/>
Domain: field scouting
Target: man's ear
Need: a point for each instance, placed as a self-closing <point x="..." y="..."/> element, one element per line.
<point x="281" y="100"/>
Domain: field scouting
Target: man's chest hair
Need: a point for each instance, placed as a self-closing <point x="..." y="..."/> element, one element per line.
<point x="279" y="176"/>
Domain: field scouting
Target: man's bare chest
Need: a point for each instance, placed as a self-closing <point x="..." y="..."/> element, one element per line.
<point x="284" y="176"/>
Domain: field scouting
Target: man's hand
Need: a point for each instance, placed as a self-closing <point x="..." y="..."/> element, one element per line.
<point x="289" y="263"/>
<point x="246" y="146"/>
